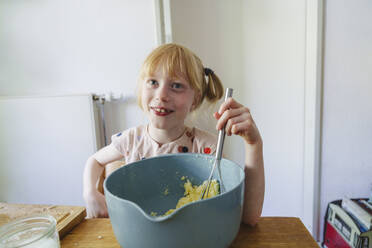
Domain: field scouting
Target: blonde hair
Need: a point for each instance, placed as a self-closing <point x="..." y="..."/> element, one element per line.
<point x="176" y="60"/>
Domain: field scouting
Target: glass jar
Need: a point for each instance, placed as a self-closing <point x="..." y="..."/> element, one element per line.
<point x="30" y="232"/>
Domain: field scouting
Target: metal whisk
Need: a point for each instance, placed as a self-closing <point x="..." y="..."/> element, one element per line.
<point x="221" y="139"/>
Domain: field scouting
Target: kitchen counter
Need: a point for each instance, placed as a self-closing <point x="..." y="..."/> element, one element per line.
<point x="269" y="232"/>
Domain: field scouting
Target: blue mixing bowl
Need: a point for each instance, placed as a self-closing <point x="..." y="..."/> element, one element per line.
<point x="136" y="190"/>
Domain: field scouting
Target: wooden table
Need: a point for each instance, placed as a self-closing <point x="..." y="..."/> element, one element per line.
<point x="269" y="232"/>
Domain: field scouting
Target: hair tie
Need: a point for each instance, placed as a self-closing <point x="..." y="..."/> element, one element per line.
<point x="208" y="71"/>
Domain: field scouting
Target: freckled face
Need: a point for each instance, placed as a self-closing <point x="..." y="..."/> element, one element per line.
<point x="167" y="101"/>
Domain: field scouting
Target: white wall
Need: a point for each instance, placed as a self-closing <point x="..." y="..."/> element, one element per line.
<point x="274" y="37"/>
<point x="71" y="47"/>
<point x="347" y="105"/>
<point x="44" y="143"/>
<point x="65" y="47"/>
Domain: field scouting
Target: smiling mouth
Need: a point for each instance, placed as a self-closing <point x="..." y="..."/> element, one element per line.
<point x="161" y="111"/>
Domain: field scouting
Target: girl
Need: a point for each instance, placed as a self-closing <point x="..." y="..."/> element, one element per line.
<point x="172" y="83"/>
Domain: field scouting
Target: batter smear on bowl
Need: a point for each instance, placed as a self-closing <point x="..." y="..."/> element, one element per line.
<point x="193" y="193"/>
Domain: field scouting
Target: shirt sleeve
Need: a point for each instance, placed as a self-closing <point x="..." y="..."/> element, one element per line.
<point x="120" y="141"/>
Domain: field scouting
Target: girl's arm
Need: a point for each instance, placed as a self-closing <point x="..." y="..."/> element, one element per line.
<point x="239" y="121"/>
<point x="254" y="184"/>
<point x="95" y="201"/>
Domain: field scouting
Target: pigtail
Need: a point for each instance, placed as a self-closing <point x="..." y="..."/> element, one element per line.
<point x="214" y="89"/>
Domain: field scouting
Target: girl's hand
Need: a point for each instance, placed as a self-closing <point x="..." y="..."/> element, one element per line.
<point x="96" y="205"/>
<point x="238" y="121"/>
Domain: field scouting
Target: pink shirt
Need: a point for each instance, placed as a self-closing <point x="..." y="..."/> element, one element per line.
<point x="136" y="144"/>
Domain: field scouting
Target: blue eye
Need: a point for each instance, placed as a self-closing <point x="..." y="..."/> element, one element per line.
<point x="152" y="82"/>
<point x="177" y="85"/>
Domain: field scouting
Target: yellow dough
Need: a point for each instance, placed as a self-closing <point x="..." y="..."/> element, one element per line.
<point x="193" y="193"/>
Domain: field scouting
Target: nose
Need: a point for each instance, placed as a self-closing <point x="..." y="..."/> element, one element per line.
<point x="162" y="93"/>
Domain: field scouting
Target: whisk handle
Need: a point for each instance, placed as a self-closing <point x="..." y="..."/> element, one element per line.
<point x="221" y="133"/>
